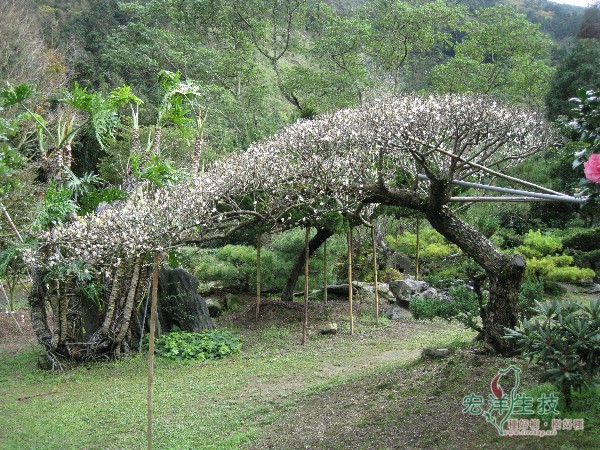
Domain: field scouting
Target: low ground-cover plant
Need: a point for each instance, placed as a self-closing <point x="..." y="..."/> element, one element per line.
<point x="430" y="308"/>
<point x="463" y="304"/>
<point x="205" y="345"/>
<point x="460" y="303"/>
<point x="566" y="343"/>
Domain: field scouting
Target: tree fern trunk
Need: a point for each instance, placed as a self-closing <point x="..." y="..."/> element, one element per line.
<point x="37" y="304"/>
<point x="198" y="144"/>
<point x="67" y="155"/>
<point x="156" y="141"/>
<point x="123" y="326"/>
<point x="114" y="295"/>
<point x="63" y="307"/>
<point x="135" y="141"/>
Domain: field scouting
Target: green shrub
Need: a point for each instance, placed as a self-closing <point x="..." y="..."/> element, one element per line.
<point x="570" y="274"/>
<point x="390" y="274"/>
<point x="566" y="344"/>
<point x="234" y="266"/>
<point x="532" y="290"/>
<point x="557" y="268"/>
<point x="205" y="345"/>
<point x="536" y="244"/>
<point x="430" y="308"/>
<point x="58" y="206"/>
<point x="467" y="305"/>
<point x="442" y="279"/>
<point x="431" y="243"/>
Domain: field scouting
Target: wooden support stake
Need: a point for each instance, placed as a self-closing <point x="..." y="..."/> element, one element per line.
<point x="306" y="256"/>
<point x="375" y="272"/>
<point x="325" y="271"/>
<point x="258" y="246"/>
<point x="151" y="348"/>
<point x="350" y="280"/>
<point x="417" y="254"/>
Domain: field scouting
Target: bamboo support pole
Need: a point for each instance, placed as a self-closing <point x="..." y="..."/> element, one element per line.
<point x="325" y="271"/>
<point x="417" y="251"/>
<point x="375" y="272"/>
<point x="306" y="256"/>
<point x="350" y="280"/>
<point x="151" y="349"/>
<point x="258" y="246"/>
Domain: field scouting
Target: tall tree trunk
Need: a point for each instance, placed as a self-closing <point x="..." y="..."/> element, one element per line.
<point x="37" y="304"/>
<point x="317" y="240"/>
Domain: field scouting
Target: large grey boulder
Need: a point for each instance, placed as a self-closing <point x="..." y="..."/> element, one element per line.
<point x="436" y="352"/>
<point x="179" y="304"/>
<point x="429" y="293"/>
<point x="330" y="328"/>
<point x="368" y="288"/>
<point x="404" y="290"/>
<point x="339" y="291"/>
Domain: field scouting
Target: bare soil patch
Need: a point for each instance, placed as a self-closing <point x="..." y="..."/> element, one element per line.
<point x="16" y="332"/>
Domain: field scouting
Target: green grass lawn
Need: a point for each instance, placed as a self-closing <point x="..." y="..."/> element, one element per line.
<point x="374" y="381"/>
<point x="214" y="404"/>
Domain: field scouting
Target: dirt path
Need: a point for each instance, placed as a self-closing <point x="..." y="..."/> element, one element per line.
<point x="414" y="406"/>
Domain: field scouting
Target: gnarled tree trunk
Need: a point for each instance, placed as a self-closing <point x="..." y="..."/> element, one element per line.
<point x="505" y="273"/>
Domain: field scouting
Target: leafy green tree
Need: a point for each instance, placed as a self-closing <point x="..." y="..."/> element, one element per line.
<point x="22" y="49"/>
<point x="590" y="24"/>
<point x="580" y="69"/>
<point x="333" y="73"/>
<point x="501" y="53"/>
<point x="404" y="33"/>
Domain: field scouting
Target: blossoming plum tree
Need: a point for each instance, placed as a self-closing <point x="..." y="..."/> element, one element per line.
<point x="339" y="162"/>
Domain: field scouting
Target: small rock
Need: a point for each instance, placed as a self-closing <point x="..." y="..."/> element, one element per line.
<point x="437" y="352"/>
<point x="397" y="313"/>
<point x="214" y="307"/>
<point x="330" y="328"/>
<point x="429" y="293"/>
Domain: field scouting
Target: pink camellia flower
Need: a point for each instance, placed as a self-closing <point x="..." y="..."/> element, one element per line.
<point x="592" y="168"/>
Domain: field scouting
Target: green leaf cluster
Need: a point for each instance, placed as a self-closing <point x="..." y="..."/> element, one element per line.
<point x="57" y="207"/>
<point x="565" y="341"/>
<point x="180" y="345"/>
